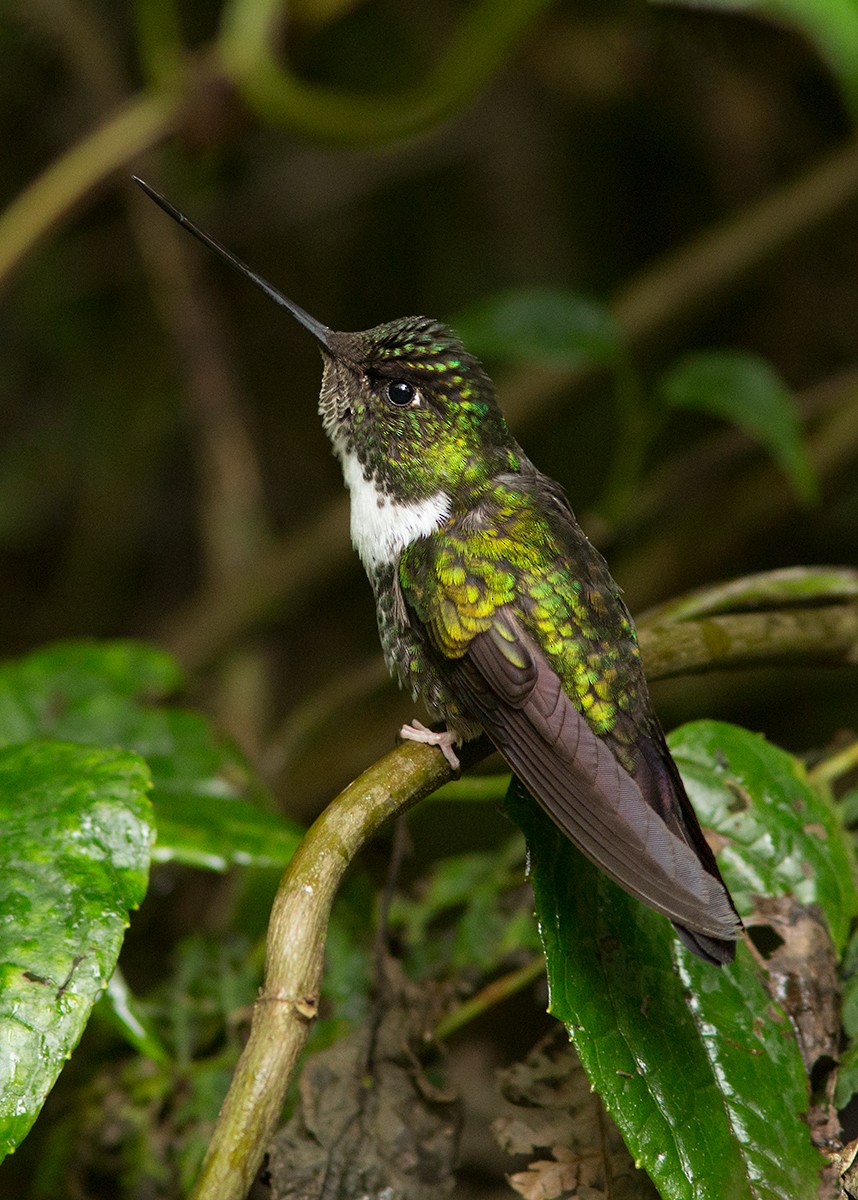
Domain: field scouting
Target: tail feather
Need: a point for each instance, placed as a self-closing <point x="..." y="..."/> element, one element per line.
<point x="712" y="950"/>
<point x="657" y="775"/>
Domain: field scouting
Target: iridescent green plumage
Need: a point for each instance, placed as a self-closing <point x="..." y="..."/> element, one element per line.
<point x="497" y="611"/>
<point x="563" y="594"/>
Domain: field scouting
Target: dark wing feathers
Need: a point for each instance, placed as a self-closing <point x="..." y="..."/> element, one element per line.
<point x="506" y="681"/>
<point x="617" y="795"/>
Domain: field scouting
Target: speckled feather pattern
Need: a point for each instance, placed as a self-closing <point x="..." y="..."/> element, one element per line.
<point x="415" y="452"/>
<point x="510" y="537"/>
<point x="510" y="553"/>
<point x="488" y="594"/>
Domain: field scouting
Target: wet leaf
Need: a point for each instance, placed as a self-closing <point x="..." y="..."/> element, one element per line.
<point x="74" y="858"/>
<point x="698" y="1066"/>
<point x="208" y="803"/>
<point x="783" y="836"/>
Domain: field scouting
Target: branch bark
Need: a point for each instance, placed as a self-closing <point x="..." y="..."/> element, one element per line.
<point x="288" y="1002"/>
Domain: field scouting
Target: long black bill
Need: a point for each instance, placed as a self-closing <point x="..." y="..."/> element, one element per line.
<point x="320" y="332"/>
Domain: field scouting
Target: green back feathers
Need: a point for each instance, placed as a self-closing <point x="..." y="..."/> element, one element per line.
<point x="459" y="578"/>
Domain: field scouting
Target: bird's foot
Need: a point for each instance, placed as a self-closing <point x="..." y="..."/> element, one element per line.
<point x="443" y="739"/>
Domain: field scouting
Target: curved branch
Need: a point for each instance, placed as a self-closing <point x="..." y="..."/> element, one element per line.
<point x="825" y="635"/>
<point x="790" y="616"/>
<point x="288" y="1003"/>
<point x="482" y="41"/>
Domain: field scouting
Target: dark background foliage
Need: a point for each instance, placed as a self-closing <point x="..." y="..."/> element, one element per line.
<point x="163" y="473"/>
<point x="159" y="424"/>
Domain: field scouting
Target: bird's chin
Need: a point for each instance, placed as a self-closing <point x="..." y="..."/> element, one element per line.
<point x="334" y="410"/>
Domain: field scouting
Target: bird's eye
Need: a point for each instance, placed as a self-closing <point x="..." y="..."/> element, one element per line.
<point x="400" y="393"/>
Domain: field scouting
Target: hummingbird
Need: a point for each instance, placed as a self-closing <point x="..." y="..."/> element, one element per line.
<point x="495" y="609"/>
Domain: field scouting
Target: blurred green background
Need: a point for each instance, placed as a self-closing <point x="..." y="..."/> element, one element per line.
<point x="670" y="179"/>
<point x="163" y="473"/>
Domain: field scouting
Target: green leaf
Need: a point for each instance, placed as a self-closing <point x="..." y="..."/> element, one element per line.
<point x="120" y="1008"/>
<point x="847" y="1068"/>
<point x="847" y="1076"/>
<point x="784" y="836"/>
<point x="831" y="25"/>
<point x="545" y="325"/>
<point x="743" y="389"/>
<point x="74" y="858"/>
<point x="219" y="834"/>
<point x="700" y="1133"/>
<point x="206" y="797"/>
<point x="38" y="692"/>
<point x="697" y="1066"/>
<point x="466" y="914"/>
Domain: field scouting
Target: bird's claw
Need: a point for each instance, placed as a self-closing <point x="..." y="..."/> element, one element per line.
<point x="443" y="739"/>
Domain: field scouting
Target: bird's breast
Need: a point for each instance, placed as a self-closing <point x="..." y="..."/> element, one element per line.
<point x="382" y="525"/>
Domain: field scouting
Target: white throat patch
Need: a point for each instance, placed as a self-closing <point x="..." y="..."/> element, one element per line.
<point x="381" y="526"/>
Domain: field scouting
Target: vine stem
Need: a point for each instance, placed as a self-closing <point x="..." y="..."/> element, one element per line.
<point x="242" y="57"/>
<point x="834" y="766"/>
<point x="288" y="1003"/>
<point x="478" y="46"/>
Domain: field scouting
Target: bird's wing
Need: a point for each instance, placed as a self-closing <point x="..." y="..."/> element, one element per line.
<point x="507" y="682"/>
